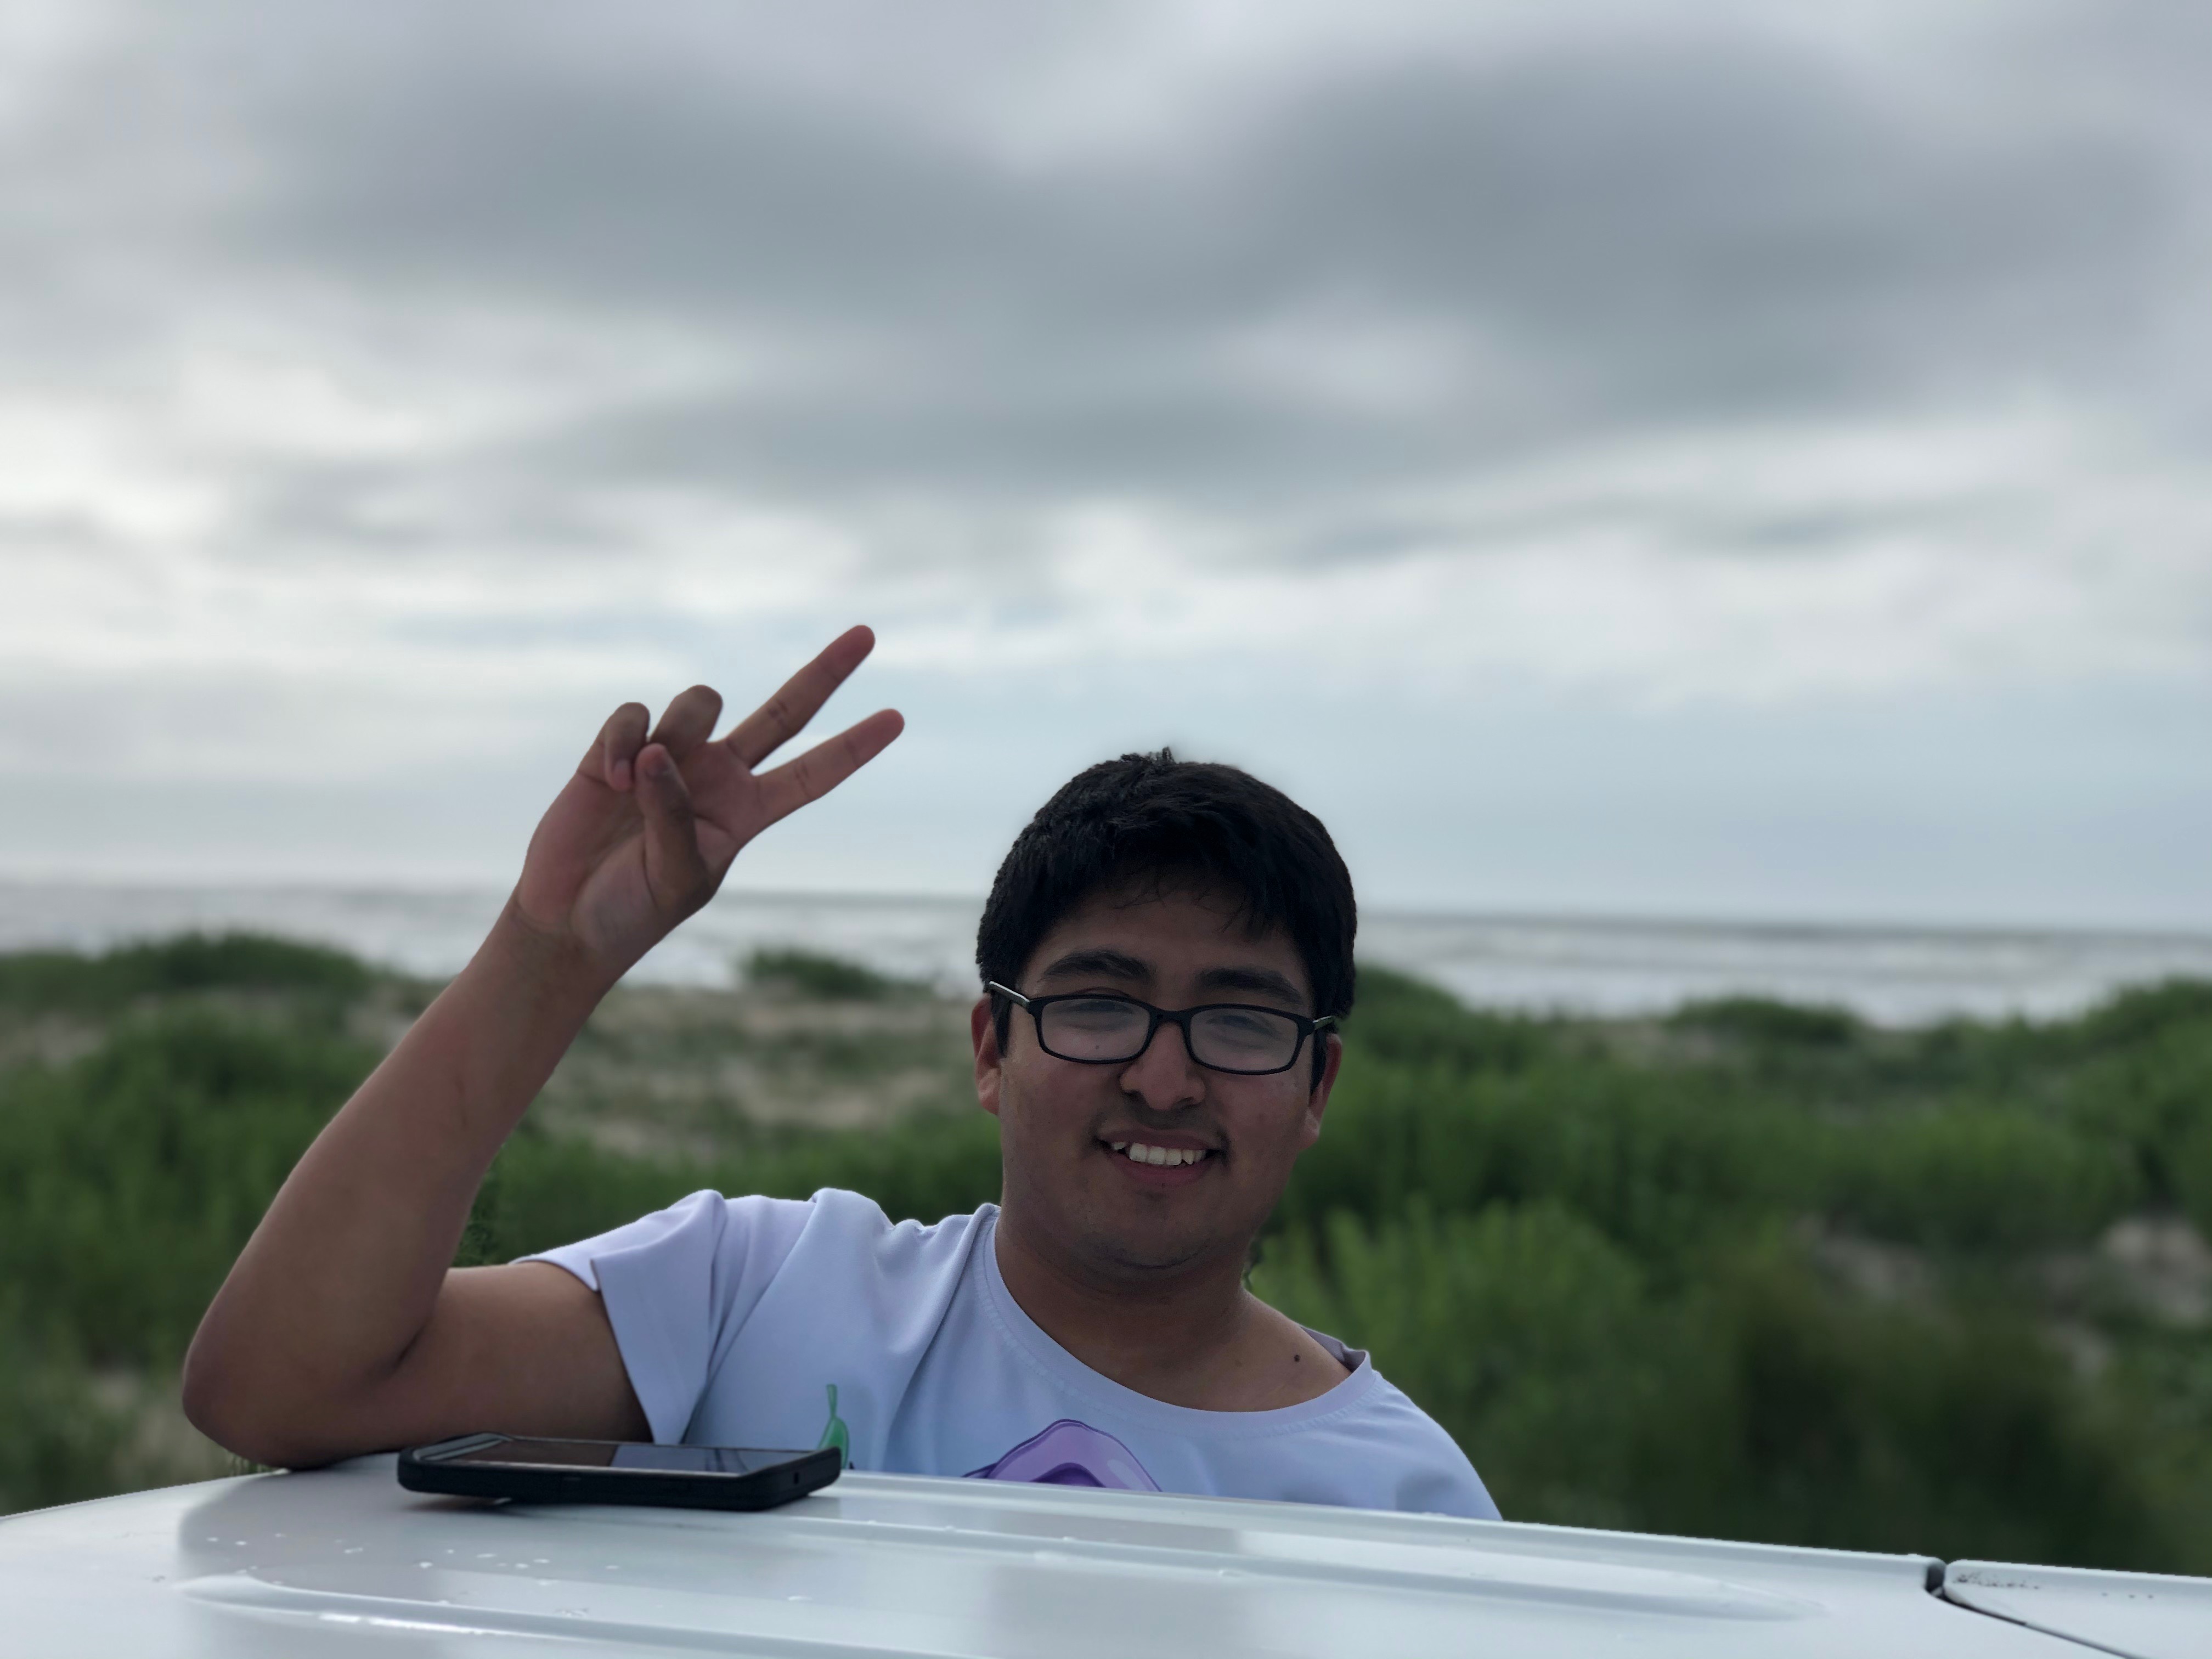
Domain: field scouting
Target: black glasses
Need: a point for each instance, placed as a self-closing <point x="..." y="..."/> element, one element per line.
<point x="1097" y="1028"/>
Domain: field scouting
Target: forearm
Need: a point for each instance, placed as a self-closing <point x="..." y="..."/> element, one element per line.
<point x="341" y="1277"/>
<point x="338" y="1329"/>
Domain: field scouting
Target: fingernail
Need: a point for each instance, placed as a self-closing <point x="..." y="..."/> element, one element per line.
<point x="618" y="774"/>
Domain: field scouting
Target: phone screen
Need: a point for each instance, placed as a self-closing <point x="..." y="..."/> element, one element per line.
<point x="627" y="1455"/>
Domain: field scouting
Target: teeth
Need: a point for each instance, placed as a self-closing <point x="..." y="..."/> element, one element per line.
<point x="1137" y="1152"/>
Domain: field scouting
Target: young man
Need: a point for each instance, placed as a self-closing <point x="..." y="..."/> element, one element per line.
<point x="1166" y="951"/>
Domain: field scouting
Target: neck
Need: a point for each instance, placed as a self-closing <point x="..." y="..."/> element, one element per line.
<point x="1172" y="1334"/>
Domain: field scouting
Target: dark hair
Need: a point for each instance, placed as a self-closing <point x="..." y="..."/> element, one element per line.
<point x="1153" y="817"/>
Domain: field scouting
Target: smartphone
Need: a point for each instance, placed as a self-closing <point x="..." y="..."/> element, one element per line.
<point x="616" y="1472"/>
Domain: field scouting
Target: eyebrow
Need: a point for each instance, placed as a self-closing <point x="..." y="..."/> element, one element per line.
<point x="1109" y="964"/>
<point x="1265" y="981"/>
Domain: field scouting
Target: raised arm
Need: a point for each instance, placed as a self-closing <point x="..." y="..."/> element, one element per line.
<point x="341" y="1329"/>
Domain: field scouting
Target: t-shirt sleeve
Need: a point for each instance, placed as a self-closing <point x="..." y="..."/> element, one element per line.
<point x="1431" y="1475"/>
<point x="678" y="1285"/>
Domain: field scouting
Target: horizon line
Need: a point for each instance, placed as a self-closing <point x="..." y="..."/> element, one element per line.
<point x="1652" y="921"/>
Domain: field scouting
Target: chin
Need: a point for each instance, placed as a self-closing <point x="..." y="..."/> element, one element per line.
<point x="1149" y="1250"/>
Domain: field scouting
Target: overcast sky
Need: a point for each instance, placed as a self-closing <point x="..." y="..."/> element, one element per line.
<point x="1682" y="461"/>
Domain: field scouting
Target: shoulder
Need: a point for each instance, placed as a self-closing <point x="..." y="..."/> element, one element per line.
<point x="1397" y="1454"/>
<point x="1293" y="1364"/>
<point x="1421" y="1467"/>
<point x="890" y="1285"/>
<point x="853" y="1230"/>
<point x="710" y="1233"/>
<point x="700" y="1229"/>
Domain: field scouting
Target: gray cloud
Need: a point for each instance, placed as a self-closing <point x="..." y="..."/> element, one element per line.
<point x="1600" y="229"/>
<point x="1743" y="359"/>
<point x="1626" y="231"/>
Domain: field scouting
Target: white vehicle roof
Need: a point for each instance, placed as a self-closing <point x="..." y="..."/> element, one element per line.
<point x="343" y="1561"/>
<point x="2143" y="1615"/>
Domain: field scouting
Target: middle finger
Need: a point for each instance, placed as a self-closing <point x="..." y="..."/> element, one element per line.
<point x="688" y="721"/>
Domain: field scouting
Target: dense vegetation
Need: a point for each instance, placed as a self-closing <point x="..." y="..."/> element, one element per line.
<point x="1754" y="1270"/>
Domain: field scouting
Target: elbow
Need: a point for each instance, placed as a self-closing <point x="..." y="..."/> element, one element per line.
<point x="245" y="1403"/>
<point x="214" y="1402"/>
<point x="223" y="1403"/>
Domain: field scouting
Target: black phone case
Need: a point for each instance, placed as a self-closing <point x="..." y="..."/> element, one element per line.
<point x="422" y="1469"/>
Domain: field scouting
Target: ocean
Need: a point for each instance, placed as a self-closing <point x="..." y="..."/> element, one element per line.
<point x="1893" y="975"/>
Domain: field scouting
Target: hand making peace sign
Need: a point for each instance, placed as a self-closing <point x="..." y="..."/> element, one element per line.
<point x="644" y="832"/>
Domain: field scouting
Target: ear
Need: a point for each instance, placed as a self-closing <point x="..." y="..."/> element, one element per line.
<point x="990" y="1066"/>
<point x="1317" y="1102"/>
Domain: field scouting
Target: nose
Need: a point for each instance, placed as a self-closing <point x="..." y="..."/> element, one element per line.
<point x="1165" y="1077"/>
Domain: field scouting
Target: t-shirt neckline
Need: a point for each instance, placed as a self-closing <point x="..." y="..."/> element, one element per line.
<point x="1035" y="1344"/>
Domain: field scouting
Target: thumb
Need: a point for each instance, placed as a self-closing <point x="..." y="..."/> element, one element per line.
<point x="674" y="872"/>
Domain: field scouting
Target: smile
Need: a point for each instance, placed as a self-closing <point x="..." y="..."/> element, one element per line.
<point x="1138" y="1152"/>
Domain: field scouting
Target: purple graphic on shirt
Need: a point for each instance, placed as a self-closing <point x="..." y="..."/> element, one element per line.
<point x="1070" y="1454"/>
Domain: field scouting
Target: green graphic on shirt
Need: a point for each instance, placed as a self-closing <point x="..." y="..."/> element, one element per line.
<point x="835" y="1433"/>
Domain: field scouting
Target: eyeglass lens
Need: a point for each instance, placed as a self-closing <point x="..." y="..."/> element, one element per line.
<point x="1103" y="1028"/>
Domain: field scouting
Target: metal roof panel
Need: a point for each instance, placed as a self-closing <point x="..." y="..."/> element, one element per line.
<point x="342" y="1559"/>
<point x="2143" y="1615"/>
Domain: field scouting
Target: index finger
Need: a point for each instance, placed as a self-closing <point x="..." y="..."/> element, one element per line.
<point x="781" y="718"/>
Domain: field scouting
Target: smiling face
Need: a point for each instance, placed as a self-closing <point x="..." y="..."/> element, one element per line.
<point x="1130" y="1170"/>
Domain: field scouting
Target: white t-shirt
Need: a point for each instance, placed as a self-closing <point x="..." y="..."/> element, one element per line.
<point x="759" y="1321"/>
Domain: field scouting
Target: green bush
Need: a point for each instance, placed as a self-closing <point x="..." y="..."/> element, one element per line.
<point x="550" y="1191"/>
<point x="39" y="981"/>
<point x="61" y="1443"/>
<point x="1753" y="1401"/>
<point x="131" y="1179"/>
<point x="1655" y="1158"/>
<point x="1786" y="1411"/>
<point x="1978" y="1178"/>
<point x="2144" y="1013"/>
<point x="1576" y="1245"/>
<point x="1404" y="1020"/>
<point x="824" y="979"/>
<point x="1766" y="1023"/>
<point x="2152" y="1096"/>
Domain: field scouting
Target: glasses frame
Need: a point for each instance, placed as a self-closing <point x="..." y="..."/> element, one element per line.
<point x="1159" y="1017"/>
